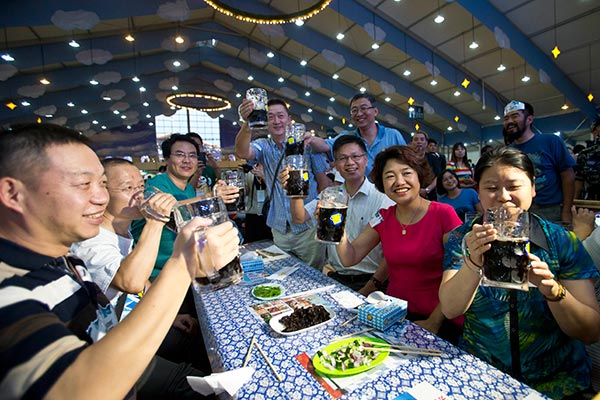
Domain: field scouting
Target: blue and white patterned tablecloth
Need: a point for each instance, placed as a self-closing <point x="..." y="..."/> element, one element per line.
<point x="228" y="326"/>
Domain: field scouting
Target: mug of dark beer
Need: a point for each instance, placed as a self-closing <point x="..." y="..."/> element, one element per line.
<point x="294" y="141"/>
<point x="297" y="184"/>
<point x="258" y="117"/>
<point x="235" y="178"/>
<point x="214" y="209"/>
<point x="331" y="215"/>
<point x="506" y="263"/>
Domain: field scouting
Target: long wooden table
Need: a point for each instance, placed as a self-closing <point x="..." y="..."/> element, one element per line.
<point x="228" y="326"/>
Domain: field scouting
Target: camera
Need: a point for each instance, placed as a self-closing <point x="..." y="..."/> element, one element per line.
<point x="247" y="168"/>
<point x="202" y="157"/>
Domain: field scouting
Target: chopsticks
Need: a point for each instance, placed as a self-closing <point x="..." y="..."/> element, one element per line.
<point x="254" y="343"/>
<point x="259" y="348"/>
<point x="393" y="348"/>
<point x="347" y="322"/>
<point x="247" y="358"/>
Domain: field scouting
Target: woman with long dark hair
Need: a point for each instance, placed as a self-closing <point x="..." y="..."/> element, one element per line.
<point x="463" y="200"/>
<point x="459" y="163"/>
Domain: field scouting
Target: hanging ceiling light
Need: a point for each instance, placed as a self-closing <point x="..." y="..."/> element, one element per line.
<point x="270" y="54"/>
<point x="179" y="39"/>
<point x="474" y="43"/>
<point x="129" y="37"/>
<point x="300" y="15"/>
<point x="525" y="77"/>
<point x="439" y="18"/>
<point x="340" y="36"/>
<point x="73" y="43"/>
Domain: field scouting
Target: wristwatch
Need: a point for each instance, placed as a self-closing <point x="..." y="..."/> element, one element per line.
<point x="562" y="293"/>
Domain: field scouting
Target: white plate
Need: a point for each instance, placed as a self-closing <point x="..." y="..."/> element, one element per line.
<point x="281" y="293"/>
<point x="278" y="327"/>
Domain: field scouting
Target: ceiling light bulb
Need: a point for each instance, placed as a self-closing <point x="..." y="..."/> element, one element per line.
<point x="388" y="99"/>
<point x="123" y="116"/>
<point x="501" y="67"/>
<point x="145" y="104"/>
<point x="116" y="112"/>
<point x="129" y="37"/>
<point x="332" y="99"/>
<point x="44" y="81"/>
<point x="7" y="57"/>
<point x="406" y="72"/>
<point x="339" y="36"/>
<point x="179" y="39"/>
<point x="234" y="123"/>
<point x="362" y="89"/>
<point x="73" y="43"/>
<point x="250" y="78"/>
<point x="174" y="87"/>
<point x="439" y="19"/>
<point x="449" y="128"/>
<point x="307" y="93"/>
<point x="303" y="63"/>
<point x="474" y="45"/>
<point x="94" y="82"/>
<point x="135" y="79"/>
<point x="177" y="63"/>
<point x="71" y="104"/>
<point x="335" y="76"/>
<point x="106" y="98"/>
<point x="330" y="118"/>
<point x="456" y="93"/>
<point x="525" y="78"/>
<point x="309" y="110"/>
<point x="151" y="124"/>
<point x="565" y="106"/>
<point x="280" y="79"/>
<point x="270" y="54"/>
<point x="95" y="122"/>
<point x="25" y="103"/>
<point x="433" y="82"/>
<point x="238" y="95"/>
<point x="84" y="111"/>
<point x="350" y="125"/>
<point x="299" y="22"/>
<point x="374" y="46"/>
<point x="142" y="89"/>
<point x="103" y="127"/>
<point x="497" y="118"/>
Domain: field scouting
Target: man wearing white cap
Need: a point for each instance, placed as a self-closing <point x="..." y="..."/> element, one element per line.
<point x="555" y="176"/>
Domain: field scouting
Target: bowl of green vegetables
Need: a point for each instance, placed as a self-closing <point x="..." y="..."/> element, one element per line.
<point x="268" y="291"/>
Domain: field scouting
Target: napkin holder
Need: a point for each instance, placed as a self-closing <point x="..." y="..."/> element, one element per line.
<point x="383" y="314"/>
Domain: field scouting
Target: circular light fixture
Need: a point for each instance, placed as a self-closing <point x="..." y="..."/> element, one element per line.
<point x="268" y="19"/>
<point x="198" y="101"/>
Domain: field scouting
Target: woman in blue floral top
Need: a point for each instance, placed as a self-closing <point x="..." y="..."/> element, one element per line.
<point x="538" y="335"/>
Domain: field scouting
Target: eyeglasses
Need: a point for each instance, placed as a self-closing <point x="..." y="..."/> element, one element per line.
<point x="180" y="155"/>
<point x="353" y="157"/>
<point x="363" y="109"/>
<point x="130" y="189"/>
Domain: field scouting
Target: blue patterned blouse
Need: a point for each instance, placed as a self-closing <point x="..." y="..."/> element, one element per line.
<point x="551" y="362"/>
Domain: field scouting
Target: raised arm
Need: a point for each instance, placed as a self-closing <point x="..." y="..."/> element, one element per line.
<point x="244" y="136"/>
<point x="299" y="213"/>
<point x="351" y="253"/>
<point x="110" y="367"/>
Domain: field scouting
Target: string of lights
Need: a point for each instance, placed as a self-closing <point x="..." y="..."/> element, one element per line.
<point x="268" y="19"/>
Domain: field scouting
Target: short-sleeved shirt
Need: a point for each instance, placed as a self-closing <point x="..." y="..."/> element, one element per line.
<point x="465" y="202"/>
<point x="103" y="255"/>
<point x="386" y="137"/>
<point x="463" y="173"/>
<point x="49" y="316"/>
<point x="167" y="239"/>
<point x="361" y="208"/>
<point x="415" y="259"/>
<point x="550" y="157"/>
<point x="268" y="154"/>
<point x="588" y="172"/>
<point x="551" y="362"/>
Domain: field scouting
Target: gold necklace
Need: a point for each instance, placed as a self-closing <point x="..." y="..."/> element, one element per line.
<point x="415" y="213"/>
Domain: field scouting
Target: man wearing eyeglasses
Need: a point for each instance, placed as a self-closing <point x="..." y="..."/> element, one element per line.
<point x="376" y="137"/>
<point x="350" y="155"/>
<point x="181" y="157"/>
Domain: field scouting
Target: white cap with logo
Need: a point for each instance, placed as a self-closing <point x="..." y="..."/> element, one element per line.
<point x="513" y="106"/>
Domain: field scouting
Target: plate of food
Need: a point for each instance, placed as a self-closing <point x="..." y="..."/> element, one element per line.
<point x="301" y="320"/>
<point x="350" y="356"/>
<point x="268" y="291"/>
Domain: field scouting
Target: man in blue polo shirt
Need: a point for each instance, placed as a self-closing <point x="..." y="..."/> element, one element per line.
<point x="375" y="136"/>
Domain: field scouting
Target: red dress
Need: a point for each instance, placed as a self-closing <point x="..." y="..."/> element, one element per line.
<point x="415" y="259"/>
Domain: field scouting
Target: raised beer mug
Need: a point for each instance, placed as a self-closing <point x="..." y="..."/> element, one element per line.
<point x="234" y="177"/>
<point x="257" y="120"/>
<point x="294" y="141"/>
<point x="298" y="182"/>
<point x="332" y="213"/>
<point x="506" y="264"/>
<point x="214" y="209"/>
